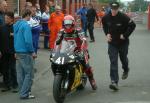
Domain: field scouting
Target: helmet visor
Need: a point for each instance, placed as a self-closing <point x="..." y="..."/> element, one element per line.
<point x="68" y="22"/>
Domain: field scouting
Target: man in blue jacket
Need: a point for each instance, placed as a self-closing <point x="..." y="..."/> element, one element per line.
<point x="24" y="54"/>
<point x="83" y="12"/>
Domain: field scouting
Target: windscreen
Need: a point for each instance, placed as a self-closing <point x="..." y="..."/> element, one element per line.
<point x="67" y="47"/>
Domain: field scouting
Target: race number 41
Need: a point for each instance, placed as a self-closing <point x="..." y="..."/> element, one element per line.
<point x="60" y="60"/>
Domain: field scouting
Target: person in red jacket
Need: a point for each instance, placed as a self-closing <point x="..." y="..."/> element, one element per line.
<point x="54" y="25"/>
<point x="70" y="33"/>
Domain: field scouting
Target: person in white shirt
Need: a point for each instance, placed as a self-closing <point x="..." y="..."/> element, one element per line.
<point x="36" y="28"/>
<point x="38" y="11"/>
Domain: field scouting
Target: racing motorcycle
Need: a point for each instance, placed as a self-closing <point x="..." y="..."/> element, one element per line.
<point x="68" y="71"/>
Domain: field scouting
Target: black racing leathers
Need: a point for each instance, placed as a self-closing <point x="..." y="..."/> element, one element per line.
<point x="117" y="25"/>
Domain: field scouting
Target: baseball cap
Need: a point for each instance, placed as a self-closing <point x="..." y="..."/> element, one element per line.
<point x="114" y="5"/>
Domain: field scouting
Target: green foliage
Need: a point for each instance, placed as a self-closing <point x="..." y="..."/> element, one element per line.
<point x="107" y="1"/>
<point x="103" y="1"/>
<point x="138" y="5"/>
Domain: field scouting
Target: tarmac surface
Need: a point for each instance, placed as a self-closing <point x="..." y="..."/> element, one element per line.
<point x="135" y="89"/>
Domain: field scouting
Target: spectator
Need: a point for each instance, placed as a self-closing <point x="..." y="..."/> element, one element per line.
<point x="55" y="23"/>
<point x="3" y="9"/>
<point x="83" y="12"/>
<point x="117" y="27"/>
<point x="91" y="15"/>
<point x="101" y="13"/>
<point x="24" y="53"/>
<point x="107" y="9"/>
<point x="38" y="11"/>
<point x="36" y="28"/>
<point x="7" y="49"/>
<point x="45" y="17"/>
<point x="51" y="7"/>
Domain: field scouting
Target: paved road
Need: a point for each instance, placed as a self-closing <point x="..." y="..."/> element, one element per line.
<point x="136" y="89"/>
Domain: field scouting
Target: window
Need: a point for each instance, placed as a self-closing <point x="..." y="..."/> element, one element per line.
<point x="16" y="7"/>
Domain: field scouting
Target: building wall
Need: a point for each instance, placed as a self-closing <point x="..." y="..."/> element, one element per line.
<point x="71" y="8"/>
<point x="11" y="4"/>
<point x="22" y="4"/>
<point x="32" y="1"/>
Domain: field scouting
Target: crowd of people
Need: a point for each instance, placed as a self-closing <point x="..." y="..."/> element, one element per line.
<point x="88" y="15"/>
<point x="19" y="41"/>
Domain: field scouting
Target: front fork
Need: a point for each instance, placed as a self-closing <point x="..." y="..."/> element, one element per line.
<point x="66" y="80"/>
<point x="65" y="84"/>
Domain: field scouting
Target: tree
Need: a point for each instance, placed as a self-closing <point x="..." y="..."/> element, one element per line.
<point x="138" y="5"/>
<point x="107" y="1"/>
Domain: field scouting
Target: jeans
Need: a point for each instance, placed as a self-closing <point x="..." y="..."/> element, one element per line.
<point x="35" y="38"/>
<point x="9" y="70"/>
<point x="115" y="52"/>
<point x="46" y="39"/>
<point x="90" y="26"/>
<point x="84" y="26"/>
<point x="24" y="68"/>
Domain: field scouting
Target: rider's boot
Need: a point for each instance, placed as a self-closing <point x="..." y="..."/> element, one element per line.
<point x="91" y="78"/>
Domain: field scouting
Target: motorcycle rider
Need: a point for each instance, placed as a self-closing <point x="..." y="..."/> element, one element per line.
<point x="70" y="33"/>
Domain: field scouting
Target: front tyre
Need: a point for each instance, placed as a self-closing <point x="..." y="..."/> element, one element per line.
<point x="58" y="93"/>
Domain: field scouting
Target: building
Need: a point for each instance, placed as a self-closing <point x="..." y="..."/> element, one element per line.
<point x="68" y="6"/>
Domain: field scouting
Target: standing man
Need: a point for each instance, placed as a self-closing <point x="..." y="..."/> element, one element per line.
<point x="35" y="27"/>
<point x="55" y="24"/>
<point x="117" y="28"/>
<point x="3" y="9"/>
<point x="7" y="50"/>
<point x="24" y="55"/>
<point x="83" y="12"/>
<point x="91" y="15"/>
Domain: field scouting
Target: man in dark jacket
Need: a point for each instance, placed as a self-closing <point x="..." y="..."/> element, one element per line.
<point x="117" y="28"/>
<point x="91" y="15"/>
<point x="3" y="7"/>
<point x="7" y="50"/>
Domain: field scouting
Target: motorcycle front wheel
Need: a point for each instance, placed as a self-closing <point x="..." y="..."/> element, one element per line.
<point x="58" y="92"/>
